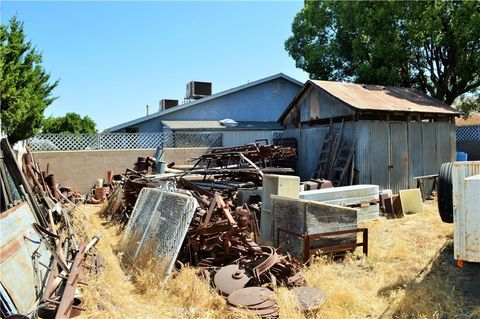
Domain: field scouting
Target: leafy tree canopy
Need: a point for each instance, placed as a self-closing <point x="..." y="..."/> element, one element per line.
<point x="25" y="89"/>
<point x="70" y="123"/>
<point x="430" y="45"/>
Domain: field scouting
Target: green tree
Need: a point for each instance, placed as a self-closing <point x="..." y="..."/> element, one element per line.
<point x="25" y="90"/>
<point x="430" y="45"/>
<point x="70" y="123"/>
<point x="468" y="105"/>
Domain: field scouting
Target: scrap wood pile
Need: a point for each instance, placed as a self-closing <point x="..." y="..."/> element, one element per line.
<point x="62" y="250"/>
<point x="221" y="235"/>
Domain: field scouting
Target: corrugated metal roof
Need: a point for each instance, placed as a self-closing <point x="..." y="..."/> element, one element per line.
<point x="473" y="120"/>
<point x="385" y="98"/>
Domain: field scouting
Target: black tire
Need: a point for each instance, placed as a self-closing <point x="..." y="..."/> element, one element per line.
<point x="445" y="196"/>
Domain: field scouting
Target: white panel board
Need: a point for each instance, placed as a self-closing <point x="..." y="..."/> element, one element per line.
<point x="466" y="211"/>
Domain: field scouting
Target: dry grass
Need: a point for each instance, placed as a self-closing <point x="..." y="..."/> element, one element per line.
<point x="398" y="280"/>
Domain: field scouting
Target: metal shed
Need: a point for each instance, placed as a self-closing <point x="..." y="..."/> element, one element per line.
<point x="400" y="133"/>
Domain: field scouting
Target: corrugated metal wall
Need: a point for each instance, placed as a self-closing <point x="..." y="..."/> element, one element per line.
<point x="388" y="154"/>
<point x="233" y="138"/>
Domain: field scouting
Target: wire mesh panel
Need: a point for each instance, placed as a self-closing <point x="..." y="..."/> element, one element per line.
<point x="158" y="227"/>
<point x="207" y="139"/>
<point x="468" y="133"/>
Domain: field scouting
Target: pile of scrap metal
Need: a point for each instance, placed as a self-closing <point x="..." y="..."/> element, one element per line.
<point x="224" y="169"/>
<point x="192" y="226"/>
<point x="41" y="254"/>
<point x="122" y="190"/>
<point x="245" y="163"/>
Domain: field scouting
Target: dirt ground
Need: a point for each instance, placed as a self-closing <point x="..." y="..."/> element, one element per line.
<point x="409" y="273"/>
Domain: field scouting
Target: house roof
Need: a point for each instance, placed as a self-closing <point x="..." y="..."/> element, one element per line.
<point x="205" y="99"/>
<point x="472" y="120"/>
<point x="376" y="97"/>
<point x="216" y="125"/>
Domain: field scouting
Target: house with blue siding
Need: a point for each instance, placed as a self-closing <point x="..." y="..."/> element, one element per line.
<point x="254" y="108"/>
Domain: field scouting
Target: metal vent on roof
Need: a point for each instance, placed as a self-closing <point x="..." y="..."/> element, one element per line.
<point x="197" y="90"/>
<point x="166" y="104"/>
<point x="228" y="122"/>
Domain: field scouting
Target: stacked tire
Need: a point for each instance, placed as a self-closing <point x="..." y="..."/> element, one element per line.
<point x="445" y="194"/>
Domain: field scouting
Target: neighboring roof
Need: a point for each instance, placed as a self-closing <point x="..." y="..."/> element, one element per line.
<point x="205" y="99"/>
<point x="175" y="125"/>
<point x="376" y="97"/>
<point x="473" y="120"/>
<point x="216" y="125"/>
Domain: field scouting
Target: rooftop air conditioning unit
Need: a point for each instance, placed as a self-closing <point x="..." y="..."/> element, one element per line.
<point x="197" y="90"/>
<point x="167" y="104"/>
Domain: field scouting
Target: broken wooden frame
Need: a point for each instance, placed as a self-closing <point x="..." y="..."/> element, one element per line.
<point x="308" y="251"/>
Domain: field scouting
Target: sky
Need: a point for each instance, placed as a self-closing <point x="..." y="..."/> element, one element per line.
<point x="114" y="58"/>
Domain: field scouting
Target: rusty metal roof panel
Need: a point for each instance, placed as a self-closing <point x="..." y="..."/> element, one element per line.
<point x="18" y="241"/>
<point x="384" y="98"/>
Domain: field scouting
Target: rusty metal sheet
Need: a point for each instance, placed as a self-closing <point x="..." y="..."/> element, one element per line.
<point x="18" y="242"/>
<point x="375" y="97"/>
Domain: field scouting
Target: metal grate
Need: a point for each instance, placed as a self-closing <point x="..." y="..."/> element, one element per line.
<point x="197" y="140"/>
<point x="121" y="141"/>
<point x="157" y="228"/>
<point x="468" y="133"/>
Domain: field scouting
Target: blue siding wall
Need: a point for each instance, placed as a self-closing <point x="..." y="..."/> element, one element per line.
<point x="153" y="125"/>
<point x="264" y="102"/>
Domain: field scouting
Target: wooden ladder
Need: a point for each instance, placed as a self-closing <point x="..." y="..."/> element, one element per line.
<point x="341" y="165"/>
<point x="327" y="154"/>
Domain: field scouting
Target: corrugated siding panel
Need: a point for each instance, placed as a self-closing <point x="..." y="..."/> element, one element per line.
<point x="379" y="153"/>
<point x="398" y="156"/>
<point x="363" y="153"/>
<point x="443" y="143"/>
<point x="309" y="143"/>
<point x="233" y="138"/>
<point x="453" y="143"/>
<point x="415" y="150"/>
<point x="429" y="155"/>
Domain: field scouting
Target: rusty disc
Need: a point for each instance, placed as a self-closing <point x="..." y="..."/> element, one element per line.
<point x="251" y="296"/>
<point x="309" y="298"/>
<point x="267" y="312"/>
<point x="229" y="279"/>
<point x="269" y="303"/>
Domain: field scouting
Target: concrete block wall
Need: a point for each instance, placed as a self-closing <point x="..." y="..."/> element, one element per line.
<point x="80" y="169"/>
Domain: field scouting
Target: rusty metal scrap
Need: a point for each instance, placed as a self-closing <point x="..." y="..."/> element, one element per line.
<point x="222" y="235"/>
<point x="245" y="163"/>
<point x="54" y="207"/>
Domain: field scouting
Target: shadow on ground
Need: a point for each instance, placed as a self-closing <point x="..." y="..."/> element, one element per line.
<point x="446" y="291"/>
